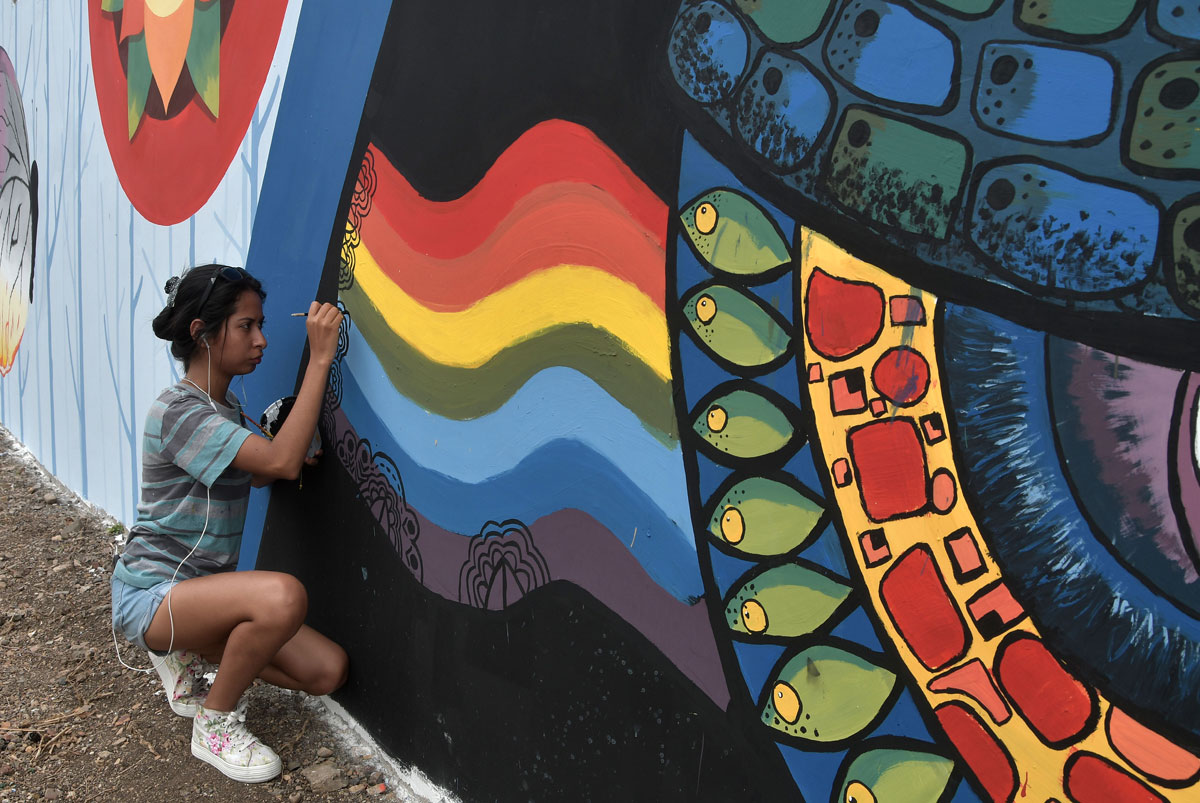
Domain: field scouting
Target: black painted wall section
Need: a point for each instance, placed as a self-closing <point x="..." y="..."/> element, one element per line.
<point x="553" y="699"/>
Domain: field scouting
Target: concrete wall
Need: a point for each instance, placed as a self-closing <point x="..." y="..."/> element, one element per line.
<point x="735" y="400"/>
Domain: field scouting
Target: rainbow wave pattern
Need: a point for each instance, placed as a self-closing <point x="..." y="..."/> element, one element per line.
<point x="509" y="348"/>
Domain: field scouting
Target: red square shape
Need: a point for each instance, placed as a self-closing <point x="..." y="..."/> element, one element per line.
<point x="906" y="310"/>
<point x="878" y="407"/>
<point x="814" y="373"/>
<point x="964" y="555"/>
<point x="841" y="472"/>
<point x="889" y="460"/>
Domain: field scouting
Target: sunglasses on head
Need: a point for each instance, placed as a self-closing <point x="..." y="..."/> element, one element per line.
<point x="229" y="275"/>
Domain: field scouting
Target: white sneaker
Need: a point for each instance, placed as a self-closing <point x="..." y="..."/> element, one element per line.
<point x="182" y="675"/>
<point x="221" y="739"/>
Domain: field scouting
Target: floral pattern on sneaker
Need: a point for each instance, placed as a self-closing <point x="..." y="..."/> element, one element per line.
<point x="221" y="738"/>
<point x="182" y="673"/>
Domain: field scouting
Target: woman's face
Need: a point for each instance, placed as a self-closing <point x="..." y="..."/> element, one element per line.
<point x="238" y="346"/>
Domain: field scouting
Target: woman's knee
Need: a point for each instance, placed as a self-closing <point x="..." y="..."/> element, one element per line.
<point x="331" y="672"/>
<point x="285" y="598"/>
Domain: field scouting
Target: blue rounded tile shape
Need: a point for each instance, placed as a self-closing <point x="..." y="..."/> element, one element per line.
<point x="783" y="110"/>
<point x="1064" y="234"/>
<point x="1177" y="19"/>
<point x="888" y="53"/>
<point x="1044" y="94"/>
<point x="708" y="52"/>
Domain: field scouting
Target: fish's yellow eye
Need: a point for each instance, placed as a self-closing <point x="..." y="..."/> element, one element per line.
<point x="754" y="616"/>
<point x="706" y="218"/>
<point x="733" y="526"/>
<point x="717" y="418"/>
<point x="787" y="702"/>
<point x="706" y="308"/>
<point x="857" y="792"/>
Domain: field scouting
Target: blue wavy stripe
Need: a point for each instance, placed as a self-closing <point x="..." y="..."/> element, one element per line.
<point x="556" y="403"/>
<point x="1115" y="632"/>
<point x="561" y="475"/>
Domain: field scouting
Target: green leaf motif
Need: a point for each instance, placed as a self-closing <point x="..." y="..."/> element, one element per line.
<point x="204" y="54"/>
<point x="112" y="5"/>
<point x="137" y="79"/>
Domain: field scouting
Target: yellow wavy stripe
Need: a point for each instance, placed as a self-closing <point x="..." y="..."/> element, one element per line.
<point x="558" y="295"/>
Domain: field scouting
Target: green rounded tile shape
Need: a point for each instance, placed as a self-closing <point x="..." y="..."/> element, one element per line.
<point x="826" y="694"/>
<point x="761" y="517"/>
<point x="743" y="424"/>
<point x="736" y="326"/>
<point x="734" y="234"/>
<point x="897" y="776"/>
<point x="973" y="8"/>
<point x="899" y="175"/>
<point x="785" y="601"/>
<point x="786" y="21"/>
<point x="1185" y="257"/>
<point x="1163" y="132"/>
<point x="1077" y="17"/>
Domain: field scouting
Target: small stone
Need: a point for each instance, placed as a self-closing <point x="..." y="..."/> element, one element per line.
<point x="293" y="764"/>
<point x="104" y="754"/>
<point x="49" y="499"/>
<point x="324" y="752"/>
<point x="6" y="769"/>
<point x="56" y="538"/>
<point x="377" y="789"/>
<point x="52" y="794"/>
<point x="358" y="787"/>
<point x="324" y="777"/>
<point x="295" y="797"/>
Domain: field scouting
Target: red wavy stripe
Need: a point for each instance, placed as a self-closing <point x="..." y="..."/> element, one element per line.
<point x="551" y="152"/>
<point x="555" y="224"/>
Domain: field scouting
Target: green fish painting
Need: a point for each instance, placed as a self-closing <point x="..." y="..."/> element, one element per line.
<point x="896" y="776"/>
<point x="784" y="602"/>
<point x="826" y="694"/>
<point x="743" y="424"/>
<point x="761" y="517"/>
<point x="736" y="326"/>
<point x="734" y="234"/>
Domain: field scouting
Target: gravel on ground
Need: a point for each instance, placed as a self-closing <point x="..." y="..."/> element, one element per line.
<point x="77" y="725"/>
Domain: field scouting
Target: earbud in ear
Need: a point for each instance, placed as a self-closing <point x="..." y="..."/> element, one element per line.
<point x="204" y="340"/>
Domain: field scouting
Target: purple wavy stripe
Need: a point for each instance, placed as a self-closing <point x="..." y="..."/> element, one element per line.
<point x="578" y="549"/>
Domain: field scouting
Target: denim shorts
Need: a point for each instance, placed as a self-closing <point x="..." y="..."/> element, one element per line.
<point x="133" y="608"/>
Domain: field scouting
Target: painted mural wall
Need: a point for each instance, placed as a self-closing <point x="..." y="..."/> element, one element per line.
<point x="736" y="400"/>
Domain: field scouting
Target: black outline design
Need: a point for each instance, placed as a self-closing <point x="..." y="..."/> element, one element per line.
<point x="991" y="624"/>
<point x="857" y="472"/>
<point x="1132" y="113"/>
<point x="709" y="509"/>
<point x="773" y="459"/>
<point x="499" y="546"/>
<point x="839" y="612"/>
<point x="814" y="146"/>
<point x="749" y="279"/>
<point x="897" y="743"/>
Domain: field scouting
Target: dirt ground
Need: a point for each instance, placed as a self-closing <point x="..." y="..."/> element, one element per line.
<point x="76" y="725"/>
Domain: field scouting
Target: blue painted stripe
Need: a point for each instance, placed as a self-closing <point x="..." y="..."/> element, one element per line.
<point x="557" y="403"/>
<point x="560" y="475"/>
<point x="319" y="113"/>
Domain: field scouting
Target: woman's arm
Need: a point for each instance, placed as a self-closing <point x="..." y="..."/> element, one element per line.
<point x="283" y="456"/>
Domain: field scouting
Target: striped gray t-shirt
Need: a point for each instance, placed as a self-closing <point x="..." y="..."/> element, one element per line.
<point x="187" y="449"/>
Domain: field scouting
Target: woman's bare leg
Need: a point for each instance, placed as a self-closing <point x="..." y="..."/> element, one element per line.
<point x="254" y="615"/>
<point x="309" y="662"/>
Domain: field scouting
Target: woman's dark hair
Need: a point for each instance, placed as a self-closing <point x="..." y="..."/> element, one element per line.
<point x="207" y="292"/>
